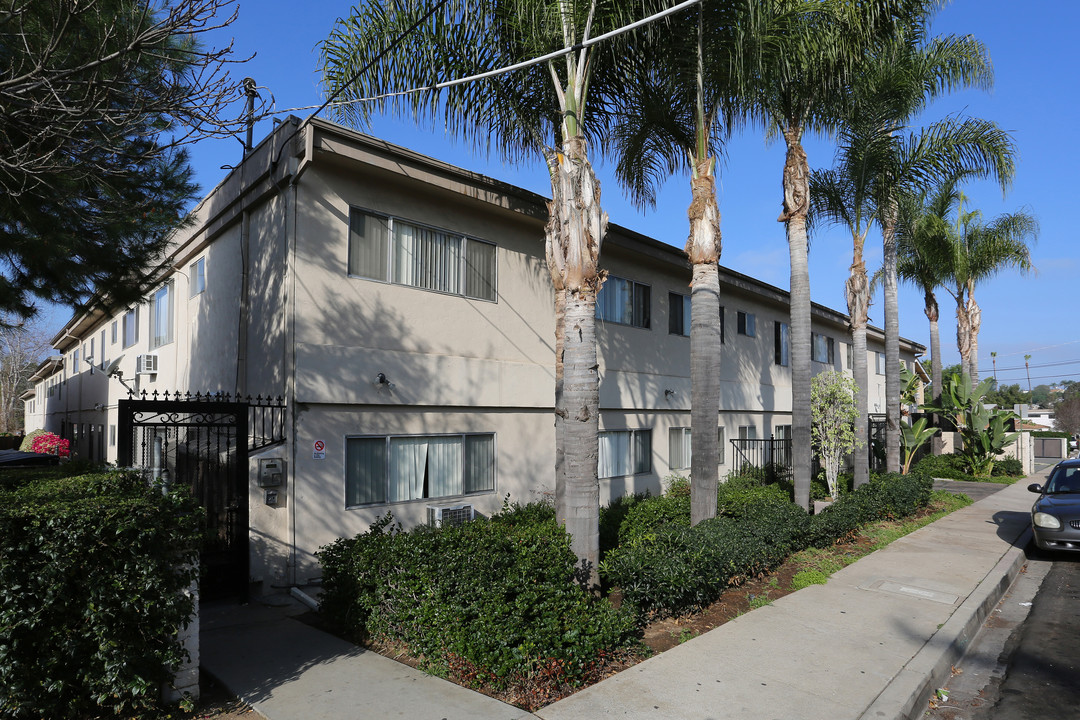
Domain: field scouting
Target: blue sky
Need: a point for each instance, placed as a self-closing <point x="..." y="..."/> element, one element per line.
<point x="1032" y="48"/>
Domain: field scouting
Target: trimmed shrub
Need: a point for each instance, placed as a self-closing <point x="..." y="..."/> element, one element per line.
<point x="28" y="440"/>
<point x="673" y="569"/>
<point x="92" y="581"/>
<point x="1050" y="434"/>
<point x="949" y="466"/>
<point x="1008" y="467"/>
<point x="497" y="596"/>
<point x="885" y="497"/>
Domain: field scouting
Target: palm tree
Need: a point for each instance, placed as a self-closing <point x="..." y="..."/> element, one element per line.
<point x="921" y="249"/>
<point x="680" y="101"/>
<point x="541" y="110"/>
<point x="978" y="252"/>
<point x="805" y="75"/>
<point x="896" y="82"/>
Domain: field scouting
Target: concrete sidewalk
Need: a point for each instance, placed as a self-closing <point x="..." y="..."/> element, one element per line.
<point x="872" y="644"/>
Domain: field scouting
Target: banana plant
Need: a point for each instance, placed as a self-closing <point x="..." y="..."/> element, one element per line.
<point x="914" y="437"/>
<point x="982" y="430"/>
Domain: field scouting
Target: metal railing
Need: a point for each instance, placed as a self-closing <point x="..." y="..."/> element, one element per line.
<point x="266" y="415"/>
<point x="759" y="454"/>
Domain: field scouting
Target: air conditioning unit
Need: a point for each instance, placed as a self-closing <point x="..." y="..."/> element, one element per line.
<point x="450" y="515"/>
<point x="146" y="364"/>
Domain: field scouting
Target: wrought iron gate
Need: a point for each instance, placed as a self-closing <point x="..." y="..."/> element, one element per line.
<point x="201" y="443"/>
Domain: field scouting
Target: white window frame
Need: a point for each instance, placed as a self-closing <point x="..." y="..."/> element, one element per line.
<point x="748" y="432"/>
<point x="197" y="277"/>
<point x="688" y="449"/>
<point x="782" y="345"/>
<point x="161" y="336"/>
<point x="684" y="303"/>
<point x="746" y="324"/>
<point x="879" y="363"/>
<point x="387" y="470"/>
<point x="460" y="282"/>
<point x="131" y="321"/>
<point x="607" y="468"/>
<point x="635" y="291"/>
<point x="817" y="341"/>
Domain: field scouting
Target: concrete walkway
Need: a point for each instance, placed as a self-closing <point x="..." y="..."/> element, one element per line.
<point x="872" y="644"/>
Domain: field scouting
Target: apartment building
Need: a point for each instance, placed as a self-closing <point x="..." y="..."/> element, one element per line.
<point x="402" y="307"/>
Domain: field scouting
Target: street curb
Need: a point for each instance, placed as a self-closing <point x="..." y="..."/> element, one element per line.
<point x="907" y="694"/>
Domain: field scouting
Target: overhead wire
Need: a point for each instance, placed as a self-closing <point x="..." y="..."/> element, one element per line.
<point x="471" y="78"/>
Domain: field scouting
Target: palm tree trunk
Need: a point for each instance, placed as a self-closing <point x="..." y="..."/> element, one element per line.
<point x="963" y="336"/>
<point x="932" y="314"/>
<point x="796" y="203"/>
<point x="858" y="302"/>
<point x="573" y="250"/>
<point x="892" y="345"/>
<point x="560" y="424"/>
<point x="974" y="323"/>
<point x="703" y="249"/>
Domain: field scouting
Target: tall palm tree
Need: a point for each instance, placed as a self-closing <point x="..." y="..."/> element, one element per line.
<point x="542" y="110"/>
<point x="680" y="101"/>
<point x="805" y="77"/>
<point x="978" y="252"/>
<point x="896" y="82"/>
<point x="922" y="257"/>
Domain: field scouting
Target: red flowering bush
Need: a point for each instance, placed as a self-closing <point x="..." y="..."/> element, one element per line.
<point x="51" y="444"/>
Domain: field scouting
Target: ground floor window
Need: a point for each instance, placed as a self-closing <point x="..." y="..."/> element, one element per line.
<point x="624" y="452"/>
<point x="681" y="450"/>
<point x="389" y="469"/>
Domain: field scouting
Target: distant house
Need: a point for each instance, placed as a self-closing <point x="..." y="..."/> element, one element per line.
<point x="403" y="309"/>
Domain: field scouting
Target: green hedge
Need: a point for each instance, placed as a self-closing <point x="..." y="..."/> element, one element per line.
<point x="1050" y="434"/>
<point x="91" y="592"/>
<point x="948" y="466"/>
<point x="497" y="596"/>
<point x="672" y="569"/>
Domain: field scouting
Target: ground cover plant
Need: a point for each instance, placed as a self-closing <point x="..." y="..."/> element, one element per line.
<point x="93" y="568"/>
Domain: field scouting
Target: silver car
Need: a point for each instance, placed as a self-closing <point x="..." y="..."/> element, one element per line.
<point x="1055" y="516"/>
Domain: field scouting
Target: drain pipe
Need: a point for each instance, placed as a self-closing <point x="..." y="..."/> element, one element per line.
<point x="245" y="248"/>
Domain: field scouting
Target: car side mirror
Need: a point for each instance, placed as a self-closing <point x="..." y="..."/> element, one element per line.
<point x="1035" y="488"/>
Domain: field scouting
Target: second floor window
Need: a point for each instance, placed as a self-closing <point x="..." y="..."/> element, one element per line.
<point x="821" y="348"/>
<point x="879" y="365"/>
<point x="392" y="250"/>
<point x="747" y="324"/>
<point x="161" y="316"/>
<point x="781" y="345"/>
<point x="624" y="301"/>
<point x="131" y="327"/>
<point x="679" y="314"/>
<point x="197" y="276"/>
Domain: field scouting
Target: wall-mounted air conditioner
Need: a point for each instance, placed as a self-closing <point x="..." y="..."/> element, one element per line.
<point x="146" y="364"/>
<point x="445" y="516"/>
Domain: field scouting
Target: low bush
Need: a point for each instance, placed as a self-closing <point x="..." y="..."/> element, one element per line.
<point x="28" y="440"/>
<point x="1009" y="467"/>
<point x="92" y="581"/>
<point x="948" y="466"/>
<point x="672" y="569"/>
<point x="885" y="497"/>
<point x="498" y="597"/>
